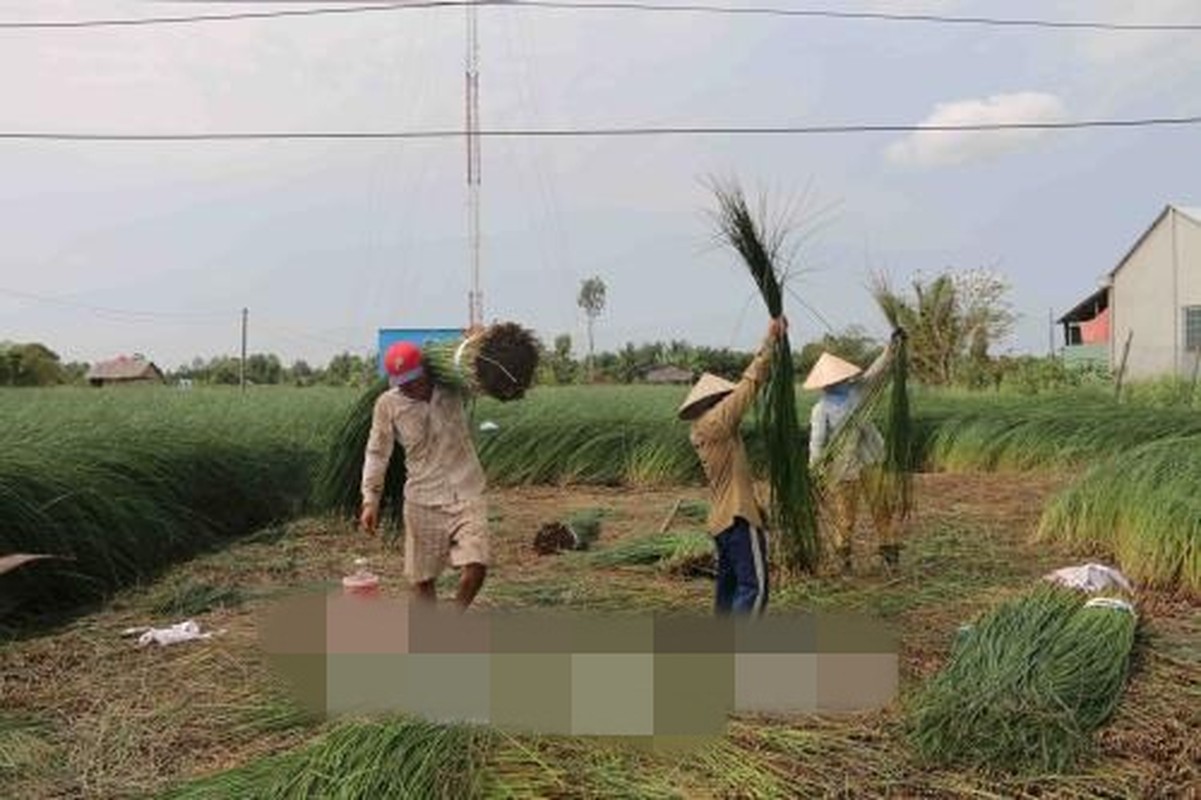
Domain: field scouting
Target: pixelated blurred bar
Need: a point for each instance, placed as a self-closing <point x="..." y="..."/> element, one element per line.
<point x="675" y="677"/>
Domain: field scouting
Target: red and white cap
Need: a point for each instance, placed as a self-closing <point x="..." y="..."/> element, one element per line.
<point x="402" y="361"/>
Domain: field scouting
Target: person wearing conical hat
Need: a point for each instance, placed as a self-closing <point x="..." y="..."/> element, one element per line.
<point x="851" y="472"/>
<point x="715" y="407"/>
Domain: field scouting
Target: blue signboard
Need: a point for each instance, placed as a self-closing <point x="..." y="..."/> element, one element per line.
<point x="418" y="336"/>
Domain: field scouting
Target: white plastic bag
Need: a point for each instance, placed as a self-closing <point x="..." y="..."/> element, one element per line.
<point x="179" y="632"/>
<point x="1090" y="578"/>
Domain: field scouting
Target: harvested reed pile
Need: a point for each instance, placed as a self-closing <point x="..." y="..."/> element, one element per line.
<point x="499" y="361"/>
<point x="586" y="526"/>
<point x="1027" y="685"/>
<point x="693" y="511"/>
<point x="23" y="745"/>
<point x="793" y="501"/>
<point x="1143" y="508"/>
<point x="388" y="758"/>
<point x="578" y="532"/>
<point x="693" y="557"/>
<point x="688" y="553"/>
<point x="554" y="537"/>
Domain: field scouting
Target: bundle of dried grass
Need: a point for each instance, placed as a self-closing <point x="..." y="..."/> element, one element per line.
<point x="499" y="361"/>
<point x="554" y="537"/>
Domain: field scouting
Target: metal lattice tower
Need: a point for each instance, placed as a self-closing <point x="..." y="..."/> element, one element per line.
<point x="475" y="297"/>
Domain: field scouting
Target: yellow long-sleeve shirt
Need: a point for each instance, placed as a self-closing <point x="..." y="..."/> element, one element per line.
<point x="715" y="437"/>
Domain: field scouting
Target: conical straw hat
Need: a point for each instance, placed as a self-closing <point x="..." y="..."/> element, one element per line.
<point x="829" y="370"/>
<point x="708" y="386"/>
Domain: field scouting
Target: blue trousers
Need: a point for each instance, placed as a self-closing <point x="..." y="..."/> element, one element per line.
<point x="741" y="569"/>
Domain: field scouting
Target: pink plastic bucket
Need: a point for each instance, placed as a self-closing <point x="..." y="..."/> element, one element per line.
<point x="361" y="585"/>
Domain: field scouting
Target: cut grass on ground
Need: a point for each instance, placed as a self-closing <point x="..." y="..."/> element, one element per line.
<point x="115" y="720"/>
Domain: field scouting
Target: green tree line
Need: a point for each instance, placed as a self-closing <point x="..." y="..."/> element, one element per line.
<point x="955" y="320"/>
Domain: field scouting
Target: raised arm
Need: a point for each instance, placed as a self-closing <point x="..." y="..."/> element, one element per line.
<point x="729" y="412"/>
<point x="879" y="367"/>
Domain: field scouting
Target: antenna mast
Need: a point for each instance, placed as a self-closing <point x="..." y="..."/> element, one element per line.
<point x="475" y="297"/>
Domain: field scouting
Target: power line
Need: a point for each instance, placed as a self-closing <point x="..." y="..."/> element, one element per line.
<point x="232" y="16"/>
<point x="877" y="16"/>
<point x="622" y="5"/>
<point x="207" y="318"/>
<point x="612" y="131"/>
<point x="131" y="315"/>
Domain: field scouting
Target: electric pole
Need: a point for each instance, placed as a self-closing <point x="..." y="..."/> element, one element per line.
<point x="242" y="366"/>
<point x="1051" y="332"/>
<point x="475" y="298"/>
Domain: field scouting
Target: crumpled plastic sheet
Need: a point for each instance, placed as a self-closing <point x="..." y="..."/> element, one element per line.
<point x="1090" y="578"/>
<point x="179" y="632"/>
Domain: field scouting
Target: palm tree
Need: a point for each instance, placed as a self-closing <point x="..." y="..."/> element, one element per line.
<point x="592" y="300"/>
<point x="950" y="317"/>
<point x="933" y="322"/>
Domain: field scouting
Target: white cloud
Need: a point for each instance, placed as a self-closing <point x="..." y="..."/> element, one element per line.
<point x="940" y="148"/>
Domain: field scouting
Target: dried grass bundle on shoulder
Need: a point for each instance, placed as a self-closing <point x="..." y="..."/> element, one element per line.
<point x="499" y="361"/>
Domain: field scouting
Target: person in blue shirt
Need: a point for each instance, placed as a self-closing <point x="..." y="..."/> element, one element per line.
<point x="851" y="471"/>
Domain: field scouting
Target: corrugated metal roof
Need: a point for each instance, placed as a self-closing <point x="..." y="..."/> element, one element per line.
<point x="1085" y="309"/>
<point x="669" y="374"/>
<point x="123" y="368"/>
<point x="1192" y="212"/>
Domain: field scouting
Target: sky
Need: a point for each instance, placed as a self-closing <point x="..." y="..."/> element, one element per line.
<point x="111" y="248"/>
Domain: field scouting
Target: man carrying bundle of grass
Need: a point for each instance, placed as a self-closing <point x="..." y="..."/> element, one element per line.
<point x="445" y="516"/>
<point x="848" y="458"/>
<point x="715" y="407"/>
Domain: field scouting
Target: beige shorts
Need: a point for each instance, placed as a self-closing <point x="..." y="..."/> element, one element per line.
<point x="435" y="535"/>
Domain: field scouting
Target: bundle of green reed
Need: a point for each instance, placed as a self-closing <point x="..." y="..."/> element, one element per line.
<point x="578" y="532"/>
<point x="338" y="480"/>
<point x="390" y="757"/>
<point x="898" y="430"/>
<point x="1026" y="687"/>
<point x="499" y="361"/>
<point x="660" y="549"/>
<point x="793" y="506"/>
<point x="586" y="526"/>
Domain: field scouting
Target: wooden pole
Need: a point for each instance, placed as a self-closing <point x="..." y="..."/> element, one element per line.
<point x="242" y="366"/>
<point x="670" y="516"/>
<point x="1196" y="369"/>
<point x="1051" y="332"/>
<point x="1122" y="366"/>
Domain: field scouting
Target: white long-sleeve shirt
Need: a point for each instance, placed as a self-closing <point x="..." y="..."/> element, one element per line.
<point x="441" y="464"/>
